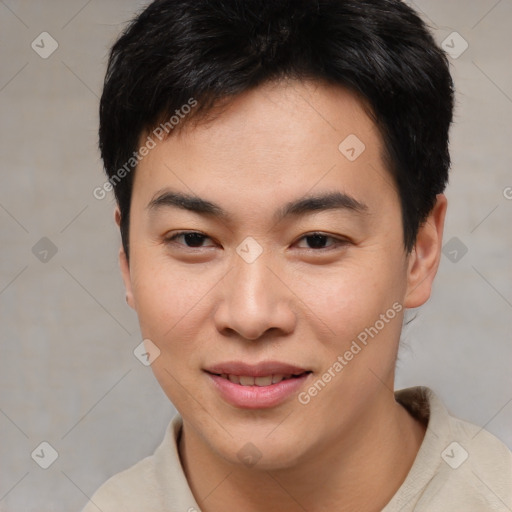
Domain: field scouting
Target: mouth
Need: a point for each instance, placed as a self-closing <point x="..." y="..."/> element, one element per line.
<point x="266" y="380"/>
<point x="258" y="386"/>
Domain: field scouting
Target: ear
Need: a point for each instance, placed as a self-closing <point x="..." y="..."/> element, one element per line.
<point x="124" y="265"/>
<point x="423" y="261"/>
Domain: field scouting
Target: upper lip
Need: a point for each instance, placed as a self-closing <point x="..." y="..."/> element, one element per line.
<point x="255" y="370"/>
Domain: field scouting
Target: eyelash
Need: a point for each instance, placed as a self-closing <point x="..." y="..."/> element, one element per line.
<point x="337" y="241"/>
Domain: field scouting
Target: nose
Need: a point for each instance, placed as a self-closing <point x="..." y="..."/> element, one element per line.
<point x="254" y="302"/>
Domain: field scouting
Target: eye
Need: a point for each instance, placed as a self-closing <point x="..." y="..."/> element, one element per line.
<point x="318" y="241"/>
<point x="190" y="239"/>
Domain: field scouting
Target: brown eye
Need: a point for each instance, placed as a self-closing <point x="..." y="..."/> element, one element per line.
<point x="192" y="239"/>
<point x="316" y="241"/>
<point x="319" y="241"/>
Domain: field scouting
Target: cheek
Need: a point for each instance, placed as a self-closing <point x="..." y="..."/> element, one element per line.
<point x="169" y="302"/>
<point x="347" y="299"/>
<point x="172" y="310"/>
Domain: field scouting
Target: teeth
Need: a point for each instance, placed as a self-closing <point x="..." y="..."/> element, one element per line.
<point x="247" y="380"/>
<point x="263" y="381"/>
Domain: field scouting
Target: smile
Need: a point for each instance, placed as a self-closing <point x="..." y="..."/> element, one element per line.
<point x="260" y="386"/>
<point x="248" y="380"/>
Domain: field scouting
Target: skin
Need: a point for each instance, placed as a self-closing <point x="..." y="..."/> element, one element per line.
<point x="352" y="445"/>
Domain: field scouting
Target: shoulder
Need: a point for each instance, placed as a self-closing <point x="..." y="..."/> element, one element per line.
<point x="475" y="472"/>
<point x="151" y="484"/>
<point x="472" y="446"/>
<point x="459" y="466"/>
<point x="488" y="461"/>
<point x="128" y="490"/>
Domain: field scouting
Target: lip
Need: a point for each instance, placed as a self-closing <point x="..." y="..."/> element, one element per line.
<point x="255" y="370"/>
<point x="256" y="397"/>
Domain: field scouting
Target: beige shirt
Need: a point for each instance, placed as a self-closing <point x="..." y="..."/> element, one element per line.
<point x="459" y="467"/>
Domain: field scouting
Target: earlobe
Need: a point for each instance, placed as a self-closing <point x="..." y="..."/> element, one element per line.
<point x="124" y="266"/>
<point x="125" y="272"/>
<point x="117" y="216"/>
<point x="425" y="256"/>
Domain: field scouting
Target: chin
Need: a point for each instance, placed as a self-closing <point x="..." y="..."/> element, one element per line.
<point x="258" y="453"/>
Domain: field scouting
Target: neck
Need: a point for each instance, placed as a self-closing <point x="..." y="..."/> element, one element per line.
<point x="360" y="471"/>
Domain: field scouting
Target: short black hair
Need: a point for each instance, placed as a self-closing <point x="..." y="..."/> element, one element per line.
<point x="209" y="51"/>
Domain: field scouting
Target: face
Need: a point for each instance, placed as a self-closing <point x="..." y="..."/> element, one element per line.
<point x="267" y="265"/>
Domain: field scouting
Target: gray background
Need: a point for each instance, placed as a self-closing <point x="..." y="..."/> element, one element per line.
<point x="68" y="375"/>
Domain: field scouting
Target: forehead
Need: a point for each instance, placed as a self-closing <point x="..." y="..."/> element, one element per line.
<point x="275" y="141"/>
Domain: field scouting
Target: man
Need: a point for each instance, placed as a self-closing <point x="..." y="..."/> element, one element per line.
<point x="279" y="169"/>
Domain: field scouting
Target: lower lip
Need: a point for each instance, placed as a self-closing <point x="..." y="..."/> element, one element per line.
<point x="257" y="397"/>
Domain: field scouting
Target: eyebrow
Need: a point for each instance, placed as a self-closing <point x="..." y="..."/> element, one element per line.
<point x="298" y="207"/>
<point x="189" y="202"/>
<point x="328" y="201"/>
